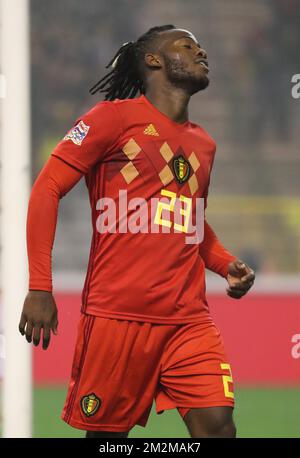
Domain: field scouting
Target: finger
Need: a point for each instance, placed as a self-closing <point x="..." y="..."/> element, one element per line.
<point x="46" y="337"/>
<point x="239" y="286"/>
<point x="249" y="285"/>
<point x="28" y="332"/>
<point x="22" y="324"/>
<point x="249" y="277"/>
<point x="245" y="286"/>
<point x="235" y="294"/>
<point x="236" y="290"/>
<point x="242" y="282"/>
<point x="240" y="265"/>
<point x="36" y="335"/>
<point x="54" y="328"/>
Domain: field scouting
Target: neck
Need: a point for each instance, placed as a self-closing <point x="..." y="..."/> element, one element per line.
<point x="173" y="102"/>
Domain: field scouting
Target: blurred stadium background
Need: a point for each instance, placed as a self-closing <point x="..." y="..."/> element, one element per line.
<point x="254" y="205"/>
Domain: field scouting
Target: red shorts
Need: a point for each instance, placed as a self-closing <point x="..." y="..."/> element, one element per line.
<point x="121" y="366"/>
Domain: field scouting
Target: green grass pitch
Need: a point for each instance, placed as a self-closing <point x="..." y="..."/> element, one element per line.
<point x="259" y="412"/>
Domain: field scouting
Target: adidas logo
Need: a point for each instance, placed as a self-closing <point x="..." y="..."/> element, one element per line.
<point x="150" y="130"/>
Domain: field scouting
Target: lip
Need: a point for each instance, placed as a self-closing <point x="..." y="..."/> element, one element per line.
<point x="204" y="63"/>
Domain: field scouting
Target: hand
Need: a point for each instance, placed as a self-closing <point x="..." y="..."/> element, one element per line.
<point x="240" y="279"/>
<point x="39" y="312"/>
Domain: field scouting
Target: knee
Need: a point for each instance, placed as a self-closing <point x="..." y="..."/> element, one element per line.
<point x="228" y="429"/>
<point x="225" y="429"/>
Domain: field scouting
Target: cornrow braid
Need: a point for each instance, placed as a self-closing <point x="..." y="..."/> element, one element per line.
<point x="125" y="79"/>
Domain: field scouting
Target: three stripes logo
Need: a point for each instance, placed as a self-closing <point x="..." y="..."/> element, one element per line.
<point x="150" y="130"/>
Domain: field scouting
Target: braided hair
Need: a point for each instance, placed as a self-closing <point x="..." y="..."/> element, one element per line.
<point x="126" y="77"/>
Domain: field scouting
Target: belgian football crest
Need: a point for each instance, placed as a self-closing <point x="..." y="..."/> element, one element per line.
<point x="90" y="404"/>
<point x="181" y="168"/>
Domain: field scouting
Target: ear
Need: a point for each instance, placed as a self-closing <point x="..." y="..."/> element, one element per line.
<point x="153" y="60"/>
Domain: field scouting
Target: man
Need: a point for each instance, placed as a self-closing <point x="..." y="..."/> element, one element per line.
<point x="145" y="330"/>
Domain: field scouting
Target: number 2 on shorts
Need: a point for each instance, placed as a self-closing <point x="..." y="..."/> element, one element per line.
<point x="226" y="380"/>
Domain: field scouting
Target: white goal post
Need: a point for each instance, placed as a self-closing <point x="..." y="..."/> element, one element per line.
<point x="15" y="185"/>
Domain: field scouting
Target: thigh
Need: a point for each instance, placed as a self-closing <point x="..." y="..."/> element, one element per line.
<point x="195" y="371"/>
<point x="114" y="375"/>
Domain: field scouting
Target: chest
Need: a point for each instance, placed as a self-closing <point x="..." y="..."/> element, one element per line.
<point x="150" y="159"/>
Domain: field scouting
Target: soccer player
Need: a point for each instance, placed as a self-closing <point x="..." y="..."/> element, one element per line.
<point x="145" y="330"/>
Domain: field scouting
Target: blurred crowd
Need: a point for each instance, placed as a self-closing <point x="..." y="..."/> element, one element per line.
<point x="253" y="49"/>
<point x="268" y="57"/>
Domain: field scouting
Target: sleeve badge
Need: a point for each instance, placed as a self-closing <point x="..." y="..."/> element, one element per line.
<point x="78" y="133"/>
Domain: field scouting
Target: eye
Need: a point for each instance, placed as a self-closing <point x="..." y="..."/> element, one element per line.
<point x="187" y="46"/>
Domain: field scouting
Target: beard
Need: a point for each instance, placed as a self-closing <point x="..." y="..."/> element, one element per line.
<point x="181" y="77"/>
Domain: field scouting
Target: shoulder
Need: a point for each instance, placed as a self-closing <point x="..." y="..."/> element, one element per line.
<point x="103" y="108"/>
<point x="126" y="103"/>
<point x="127" y="106"/>
<point x="204" y="136"/>
<point x="115" y="109"/>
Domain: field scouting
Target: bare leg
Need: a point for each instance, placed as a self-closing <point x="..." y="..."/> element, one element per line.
<point x="210" y="422"/>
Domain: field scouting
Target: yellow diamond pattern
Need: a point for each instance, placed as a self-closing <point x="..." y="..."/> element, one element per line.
<point x="193" y="184"/>
<point x="166" y="152"/>
<point x="193" y="160"/>
<point x="129" y="172"/>
<point x="166" y="175"/>
<point x="131" y="149"/>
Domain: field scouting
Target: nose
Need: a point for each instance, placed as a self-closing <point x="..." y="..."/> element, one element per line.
<point x="201" y="52"/>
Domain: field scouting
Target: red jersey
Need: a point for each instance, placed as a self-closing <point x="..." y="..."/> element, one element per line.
<point x="137" y="163"/>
